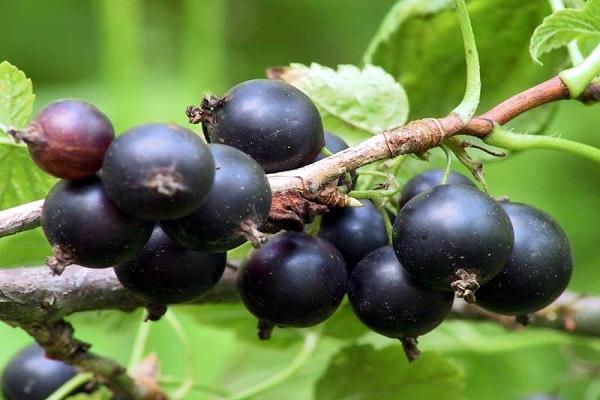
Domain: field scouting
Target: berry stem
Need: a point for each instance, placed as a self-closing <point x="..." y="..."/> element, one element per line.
<point x="311" y="343"/>
<point x="249" y="230"/>
<point x="69" y="386"/>
<point x="190" y="360"/>
<point x="139" y="344"/>
<point x="409" y="344"/>
<point x="265" y="329"/>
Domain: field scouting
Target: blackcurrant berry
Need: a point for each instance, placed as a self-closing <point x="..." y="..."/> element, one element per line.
<point x="428" y="180"/>
<point x="453" y="237"/>
<point x="333" y="143"/>
<point x="390" y="302"/>
<point x="86" y="228"/>
<point x="29" y="375"/>
<point x="163" y="272"/>
<point x="354" y="231"/>
<point x="158" y="171"/>
<point x="272" y="121"/>
<point x="68" y="139"/>
<point x="238" y="203"/>
<point x="539" y="268"/>
<point x="293" y="280"/>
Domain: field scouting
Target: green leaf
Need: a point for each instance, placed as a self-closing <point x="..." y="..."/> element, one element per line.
<point x="361" y="372"/>
<point x="344" y="325"/>
<point x="353" y="102"/>
<point x="16" y="97"/>
<point x="385" y="39"/>
<point x="21" y="180"/>
<point x="562" y="27"/>
<point x="421" y="46"/>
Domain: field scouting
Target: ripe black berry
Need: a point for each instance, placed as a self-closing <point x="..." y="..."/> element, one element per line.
<point x="272" y="121"/>
<point x="29" y="375"/>
<point x="238" y="203"/>
<point x="293" y="280"/>
<point x="86" y="228"/>
<point x="539" y="268"/>
<point x="158" y="171"/>
<point x="68" y="139"/>
<point x="354" y="231"/>
<point x="428" y="180"/>
<point x="163" y="272"/>
<point x="333" y="143"/>
<point x="453" y="237"/>
<point x="390" y="302"/>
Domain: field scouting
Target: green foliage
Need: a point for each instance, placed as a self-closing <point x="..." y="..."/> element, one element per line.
<point x="361" y="372"/>
<point x="16" y="97"/>
<point x="352" y="102"/>
<point x="563" y="27"/>
<point x="22" y="181"/>
<point x="420" y="44"/>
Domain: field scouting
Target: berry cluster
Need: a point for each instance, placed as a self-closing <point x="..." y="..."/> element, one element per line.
<point x="163" y="208"/>
<point x="159" y="204"/>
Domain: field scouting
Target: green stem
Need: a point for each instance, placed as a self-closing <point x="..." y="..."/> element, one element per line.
<point x="69" y="386"/>
<point x="325" y="152"/>
<point x="579" y="77"/>
<point x="166" y="380"/>
<point x="574" y="53"/>
<point x="311" y="342"/>
<point x="502" y="137"/>
<point x="188" y="383"/>
<point x="139" y="345"/>
<point x="316" y="225"/>
<point x="466" y="109"/>
<point x="389" y="229"/>
<point x="393" y="186"/>
<point x="448" y="154"/>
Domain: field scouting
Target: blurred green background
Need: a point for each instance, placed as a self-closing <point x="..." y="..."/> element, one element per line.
<point x="143" y="61"/>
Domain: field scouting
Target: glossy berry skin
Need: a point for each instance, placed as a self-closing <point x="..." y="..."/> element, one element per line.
<point x="333" y="143"/>
<point x="539" y="268"/>
<point x="240" y="195"/>
<point x="29" y="375"/>
<point x="428" y="180"/>
<point x="387" y="300"/>
<point x="354" y="231"/>
<point x="272" y="121"/>
<point x="452" y="227"/>
<point x="158" y="171"/>
<point x="163" y="272"/>
<point x="68" y="139"/>
<point x="293" y="280"/>
<point x="83" y="225"/>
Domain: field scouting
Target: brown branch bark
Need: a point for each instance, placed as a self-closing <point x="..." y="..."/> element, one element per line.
<point x="24" y="295"/>
<point x="37" y="301"/>
<point x="310" y="183"/>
